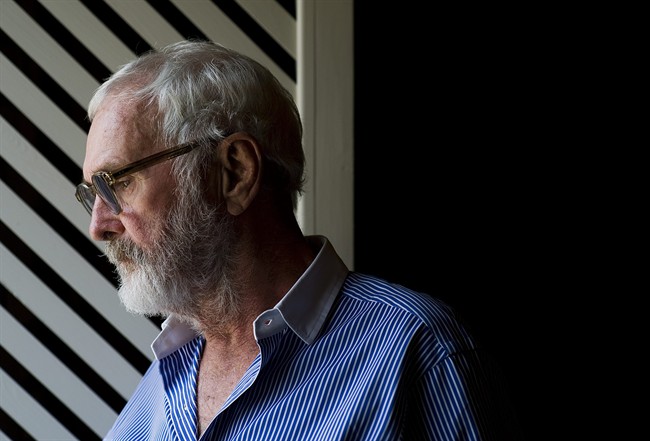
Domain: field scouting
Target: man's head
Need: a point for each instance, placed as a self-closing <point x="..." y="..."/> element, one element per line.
<point x="170" y="224"/>
<point x="196" y="90"/>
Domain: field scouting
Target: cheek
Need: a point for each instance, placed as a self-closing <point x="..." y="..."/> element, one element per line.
<point x="158" y="191"/>
<point x="145" y="219"/>
<point x="145" y="229"/>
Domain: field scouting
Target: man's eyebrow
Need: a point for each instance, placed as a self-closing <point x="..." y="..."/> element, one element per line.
<point x="109" y="166"/>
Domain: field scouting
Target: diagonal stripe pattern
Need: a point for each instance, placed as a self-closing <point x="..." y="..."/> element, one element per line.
<point x="69" y="353"/>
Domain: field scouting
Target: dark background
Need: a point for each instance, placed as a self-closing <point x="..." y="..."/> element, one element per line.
<point x="452" y="188"/>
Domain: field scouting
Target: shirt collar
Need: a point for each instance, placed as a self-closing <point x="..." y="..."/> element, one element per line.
<point x="303" y="308"/>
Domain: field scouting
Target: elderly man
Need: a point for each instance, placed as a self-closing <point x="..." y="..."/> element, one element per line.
<point x="193" y="167"/>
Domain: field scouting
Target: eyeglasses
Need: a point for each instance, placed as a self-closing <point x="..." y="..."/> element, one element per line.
<point x="103" y="182"/>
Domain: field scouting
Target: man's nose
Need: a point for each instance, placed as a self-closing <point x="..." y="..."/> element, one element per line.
<point x="104" y="225"/>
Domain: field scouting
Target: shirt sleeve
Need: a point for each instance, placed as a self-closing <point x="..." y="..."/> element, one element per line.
<point x="463" y="397"/>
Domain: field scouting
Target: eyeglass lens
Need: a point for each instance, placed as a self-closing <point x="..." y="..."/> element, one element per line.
<point x="86" y="196"/>
<point x="105" y="191"/>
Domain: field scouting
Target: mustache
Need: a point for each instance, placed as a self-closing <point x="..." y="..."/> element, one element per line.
<point x="121" y="251"/>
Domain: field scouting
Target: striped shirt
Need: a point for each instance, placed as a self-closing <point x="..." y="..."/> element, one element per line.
<point x="343" y="356"/>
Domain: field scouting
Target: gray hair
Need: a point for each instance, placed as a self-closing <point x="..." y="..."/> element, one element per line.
<point x="202" y="91"/>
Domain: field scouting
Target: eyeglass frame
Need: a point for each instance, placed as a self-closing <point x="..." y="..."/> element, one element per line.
<point x="110" y="178"/>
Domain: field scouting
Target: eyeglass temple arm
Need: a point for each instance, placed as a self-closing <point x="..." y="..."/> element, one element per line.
<point x="154" y="159"/>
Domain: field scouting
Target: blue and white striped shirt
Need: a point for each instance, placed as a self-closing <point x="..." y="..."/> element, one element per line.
<point x="343" y="356"/>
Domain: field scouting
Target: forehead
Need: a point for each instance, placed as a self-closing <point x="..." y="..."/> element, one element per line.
<point x="118" y="135"/>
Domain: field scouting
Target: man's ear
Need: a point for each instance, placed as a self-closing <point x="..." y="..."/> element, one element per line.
<point x="241" y="162"/>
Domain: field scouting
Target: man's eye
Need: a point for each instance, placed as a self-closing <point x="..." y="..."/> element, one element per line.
<point x="121" y="185"/>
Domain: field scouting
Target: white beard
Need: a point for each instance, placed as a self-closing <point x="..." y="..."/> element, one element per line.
<point x="186" y="270"/>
